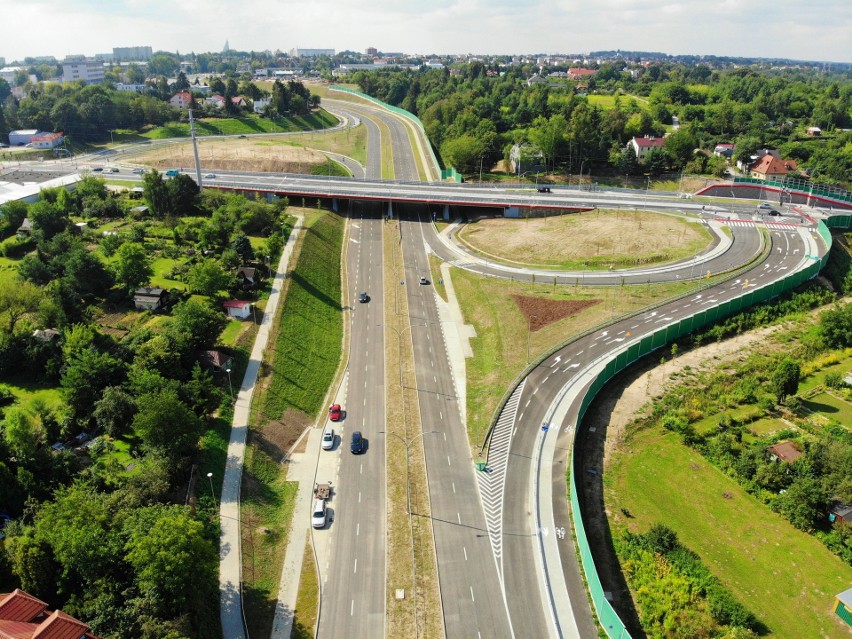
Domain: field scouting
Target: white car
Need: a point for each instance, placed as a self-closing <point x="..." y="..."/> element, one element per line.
<point x="318" y="514"/>
<point x="764" y="205"/>
<point x="328" y="439"/>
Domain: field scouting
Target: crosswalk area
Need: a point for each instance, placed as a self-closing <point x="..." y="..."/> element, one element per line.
<point x="492" y="481"/>
<point x="772" y="226"/>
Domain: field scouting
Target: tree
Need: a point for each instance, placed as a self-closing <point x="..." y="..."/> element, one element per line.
<point x="198" y="322"/>
<point x="803" y="502"/>
<point x="836" y="326"/>
<point x="18" y="300"/>
<point x="156" y="193"/>
<point x="132" y="267"/>
<point x="21" y="432"/>
<point x="114" y="411"/>
<point x="242" y="246"/>
<point x="168" y="552"/>
<point x="86" y="376"/>
<point x="182" y="195"/>
<point x="785" y="379"/>
<point x="680" y="146"/>
<point x="207" y="277"/>
<point x="166" y="425"/>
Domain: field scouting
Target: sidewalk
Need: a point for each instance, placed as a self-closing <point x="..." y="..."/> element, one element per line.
<point x="230" y="554"/>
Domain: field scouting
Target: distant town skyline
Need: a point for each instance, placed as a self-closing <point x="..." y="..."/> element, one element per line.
<point x="820" y="32"/>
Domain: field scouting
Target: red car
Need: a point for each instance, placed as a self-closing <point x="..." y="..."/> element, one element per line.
<point x="334" y="413"/>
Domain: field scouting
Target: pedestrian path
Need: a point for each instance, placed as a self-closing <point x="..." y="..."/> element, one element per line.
<point x="230" y="553"/>
<point x="774" y="226"/>
<point x="493" y="479"/>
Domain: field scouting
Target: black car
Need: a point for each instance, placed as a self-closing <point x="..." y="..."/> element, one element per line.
<point x="357" y="445"/>
<point x="543" y="189"/>
<point x="363" y="297"/>
<point x="773" y="212"/>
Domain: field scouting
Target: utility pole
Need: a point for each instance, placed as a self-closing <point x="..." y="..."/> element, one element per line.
<point x="195" y="150"/>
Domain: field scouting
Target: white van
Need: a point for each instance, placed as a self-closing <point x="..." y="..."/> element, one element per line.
<point x="318" y="517"/>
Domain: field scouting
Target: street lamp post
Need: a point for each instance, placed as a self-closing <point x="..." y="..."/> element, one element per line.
<point x="230" y="386"/>
<point x="529" y="333"/>
<point x="407" y="444"/>
<point x="212" y="492"/>
<point x="399" y="344"/>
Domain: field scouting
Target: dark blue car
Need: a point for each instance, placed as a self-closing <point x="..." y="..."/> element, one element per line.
<point x="357" y="446"/>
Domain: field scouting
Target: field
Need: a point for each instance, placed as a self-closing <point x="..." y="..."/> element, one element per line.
<point x="239" y="126"/>
<point x="595" y="239"/>
<point x="608" y="101"/>
<point x="755" y="553"/>
<point x="505" y="343"/>
<point x="832" y="407"/>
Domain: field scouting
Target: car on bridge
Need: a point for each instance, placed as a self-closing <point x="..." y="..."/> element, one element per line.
<point x="543" y="189"/>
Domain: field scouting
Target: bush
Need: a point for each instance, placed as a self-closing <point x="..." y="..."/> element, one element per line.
<point x="834" y="380"/>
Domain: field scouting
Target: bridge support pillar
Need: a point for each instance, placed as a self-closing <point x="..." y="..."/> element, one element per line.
<point x="446" y="212"/>
<point x="334" y="206"/>
<point x="390" y="210"/>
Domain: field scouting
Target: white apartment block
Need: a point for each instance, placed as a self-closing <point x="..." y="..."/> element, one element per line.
<point x="79" y="68"/>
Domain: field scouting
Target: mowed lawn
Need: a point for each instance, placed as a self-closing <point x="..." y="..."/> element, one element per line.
<point x="786" y="577"/>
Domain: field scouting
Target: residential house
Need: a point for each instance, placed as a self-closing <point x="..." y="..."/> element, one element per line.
<point x="525" y="158"/>
<point x="260" y="105"/>
<point x="840" y="514"/>
<point x="581" y="74"/>
<point x="643" y="146"/>
<point x="724" y="150"/>
<point x="22" y="136"/>
<point x="770" y="166"/>
<point x="46" y="335"/>
<point x="785" y="451"/>
<point x="216" y="360"/>
<point x="181" y="100"/>
<point x="26" y="227"/>
<point x="813" y="131"/>
<point x="23" y="616"/>
<point x="248" y="277"/>
<point x="47" y="140"/>
<point x="536" y="79"/>
<point x="216" y="101"/>
<point x="239" y="102"/>
<point x="238" y="308"/>
<point x="150" y="299"/>
<point x="843" y="606"/>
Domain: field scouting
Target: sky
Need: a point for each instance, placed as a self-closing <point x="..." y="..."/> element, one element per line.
<point x="817" y="30"/>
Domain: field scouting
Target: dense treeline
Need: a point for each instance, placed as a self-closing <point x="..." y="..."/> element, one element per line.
<point x="476" y="114"/>
<point x="90" y="112"/>
<point x="102" y="531"/>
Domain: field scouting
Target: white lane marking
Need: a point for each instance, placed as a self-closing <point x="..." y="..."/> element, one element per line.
<point x="352" y="608"/>
<point x="556" y="361"/>
<point x="545" y="379"/>
<point x="471" y="594"/>
<point x="361" y="472"/>
<point x="521" y="417"/>
<point x="454" y="487"/>
<point x="435" y="378"/>
<point x="449" y="463"/>
<point x="356" y="567"/>
<point x="459" y="517"/>
<point x="359" y="497"/>
<point x="357" y="529"/>
<point x="465" y="553"/>
<point x="441" y="417"/>
<point x="528" y="402"/>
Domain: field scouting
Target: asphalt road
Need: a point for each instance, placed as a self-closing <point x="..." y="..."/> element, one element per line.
<point x="542" y="386"/>
<point x="353" y="601"/>
<point x="471" y="593"/>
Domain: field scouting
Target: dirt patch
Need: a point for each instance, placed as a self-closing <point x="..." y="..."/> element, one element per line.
<point x="599" y="237"/>
<point x="257" y="154"/>
<point x="540" y="312"/>
<point x="276" y="437"/>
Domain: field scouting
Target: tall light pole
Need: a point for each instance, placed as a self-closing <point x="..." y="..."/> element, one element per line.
<point x="407" y="444"/>
<point x="399" y="344"/>
<point x="212" y="492"/>
<point x="230" y="386"/>
<point x="529" y="333"/>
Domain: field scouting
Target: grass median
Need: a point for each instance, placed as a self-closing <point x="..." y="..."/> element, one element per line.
<point x="411" y="560"/>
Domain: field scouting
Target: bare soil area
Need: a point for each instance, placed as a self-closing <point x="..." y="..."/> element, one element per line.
<point x="601" y="236"/>
<point x="539" y="312"/>
<point x="255" y="154"/>
<point x="277" y="436"/>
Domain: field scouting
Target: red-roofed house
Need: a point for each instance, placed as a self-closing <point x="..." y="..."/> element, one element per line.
<point x="770" y="166"/>
<point x="215" y="100"/>
<point x="22" y="616"/>
<point x="238" y="308"/>
<point x="785" y="451"/>
<point x="181" y="100"/>
<point x="643" y="146"/>
<point x="580" y="74"/>
<point x="47" y="140"/>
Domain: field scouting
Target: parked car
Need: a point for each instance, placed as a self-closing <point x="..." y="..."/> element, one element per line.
<point x="423" y="280"/>
<point x="319" y="514"/>
<point x="335" y="412"/>
<point x="363" y="297"/>
<point x="328" y="439"/>
<point x="357" y="445"/>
